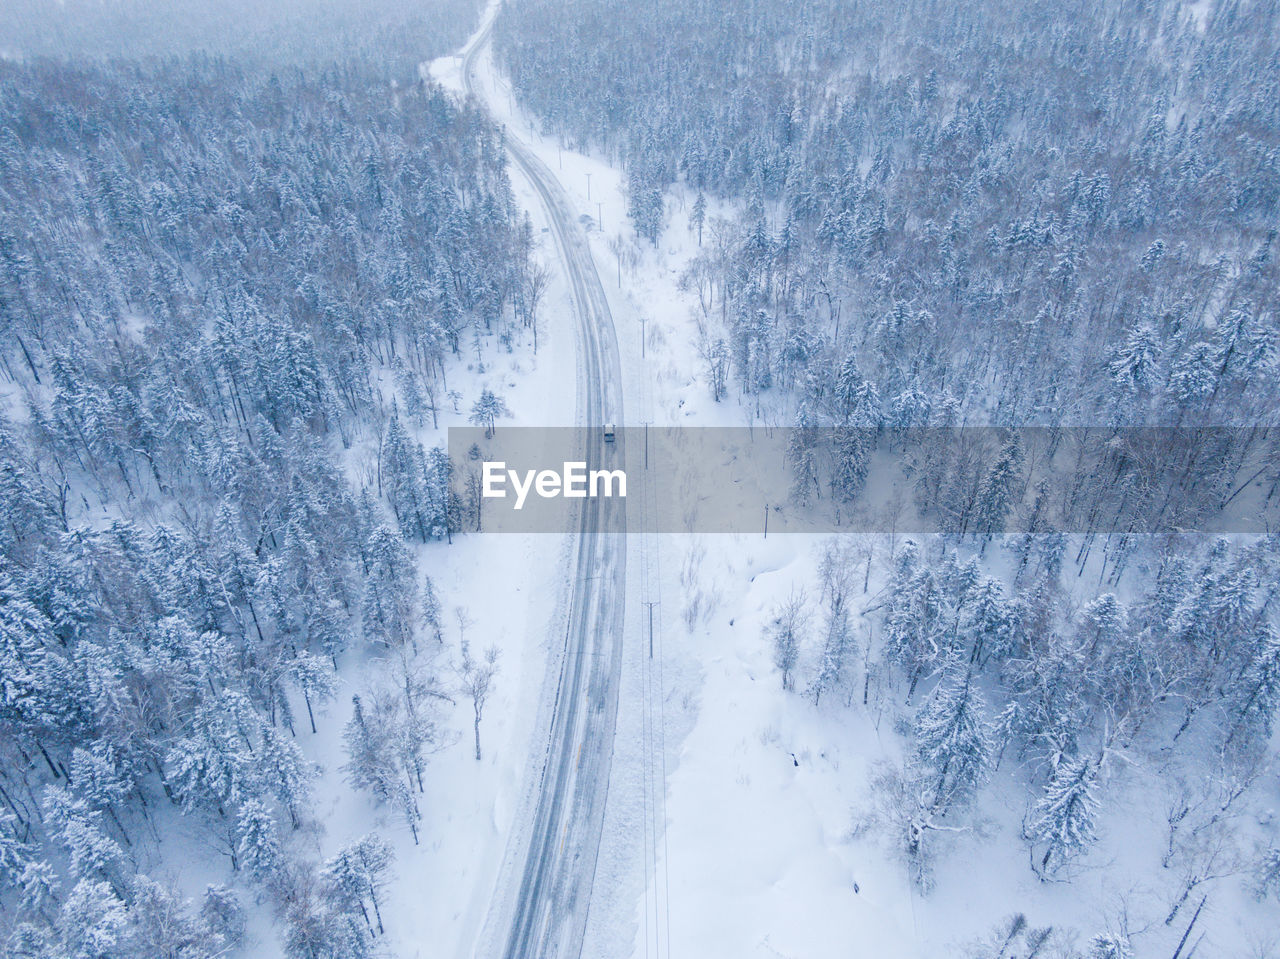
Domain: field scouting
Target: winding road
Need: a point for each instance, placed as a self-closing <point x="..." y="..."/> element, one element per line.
<point x="543" y="911"/>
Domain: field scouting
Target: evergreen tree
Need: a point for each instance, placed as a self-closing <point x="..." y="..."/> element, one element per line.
<point x="802" y="456"/>
<point x="402" y="481"/>
<point x="390" y="605"/>
<point x="838" y="648"/>
<point x="1255" y="698"/>
<point x="1065" y="823"/>
<point x="698" y="215"/>
<point x="913" y="617"/>
<point x="258" y="844"/>
<point x="1108" y="946"/>
<point x="487" y="409"/>
<point x="999" y="490"/>
<point x="368" y="765"/>
<point x="992" y="622"/>
<point x="952" y="737"/>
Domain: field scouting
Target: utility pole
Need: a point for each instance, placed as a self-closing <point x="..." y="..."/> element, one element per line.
<point x="642" y="323"/>
<point x="588" y="186"/>
<point x="766" y="520"/>
<point x="646" y="444"/>
<point x="599" y="216"/>
<point x="651" y="605"/>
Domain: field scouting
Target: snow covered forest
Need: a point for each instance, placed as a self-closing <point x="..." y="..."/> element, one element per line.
<point x="987" y="213"/>
<point x="231" y="291"/>
<point x="255" y="260"/>
<point x="1006" y="213"/>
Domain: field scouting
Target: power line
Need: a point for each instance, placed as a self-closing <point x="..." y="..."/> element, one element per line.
<point x="650" y="605"/>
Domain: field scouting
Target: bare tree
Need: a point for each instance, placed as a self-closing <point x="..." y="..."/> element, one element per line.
<point x="477" y="676"/>
<point x="535" y="286"/>
<point x="464" y="622"/>
<point x="790" y="619"/>
<point x="905" y="809"/>
<point x="1208" y="855"/>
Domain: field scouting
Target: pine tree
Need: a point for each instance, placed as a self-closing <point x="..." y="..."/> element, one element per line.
<point x="991" y="620"/>
<point x="284" y="771"/>
<point x="161" y="925"/>
<point x="38" y="694"/>
<point x="1135" y="369"/>
<point x="214" y="765"/>
<point x="802" y="455"/>
<point x="342" y="874"/>
<point x="258" y="843"/>
<point x="99" y="779"/>
<point x="358" y="872"/>
<point x="222" y="914"/>
<point x="445" y="516"/>
<point x="92" y="921"/>
<point x="855" y="397"/>
<point x="487" y="409"/>
<point x="1246" y="346"/>
<point x="402" y="481"/>
<point x="852" y="457"/>
<point x="368" y="765"/>
<point x="16" y="853"/>
<point x="952" y="737"/>
<point x="315" y="678"/>
<point x="374" y="856"/>
<point x="913" y="617"/>
<point x="838" y="648"/>
<point x="1269" y="873"/>
<point x="999" y="489"/>
<point x="699" y="214"/>
<point x="431" y="610"/>
<point x="1255" y="698"/>
<point x="92" y="853"/>
<point x="31" y="516"/>
<point x="1194" y="378"/>
<point x="1110" y="946"/>
<point x="390" y="605"/>
<point x="1103" y="621"/>
<point x="1066" y="815"/>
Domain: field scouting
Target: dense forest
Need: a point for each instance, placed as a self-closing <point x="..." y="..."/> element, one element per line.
<point x="230" y="293"/>
<point x="244" y="250"/>
<point x="1007" y="214"/>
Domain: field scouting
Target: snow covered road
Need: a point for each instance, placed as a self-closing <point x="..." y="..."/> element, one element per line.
<point x="542" y="909"/>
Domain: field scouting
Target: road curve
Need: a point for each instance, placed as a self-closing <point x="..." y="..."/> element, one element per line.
<point x="544" y="910"/>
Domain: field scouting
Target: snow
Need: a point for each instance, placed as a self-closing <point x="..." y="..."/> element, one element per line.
<point x="732" y="822"/>
<point x="510" y="589"/>
<point x="733" y="814"/>
<point x="731" y="828"/>
<point x="443" y="885"/>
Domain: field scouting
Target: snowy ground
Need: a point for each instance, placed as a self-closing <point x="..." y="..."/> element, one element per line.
<point x="765" y="790"/>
